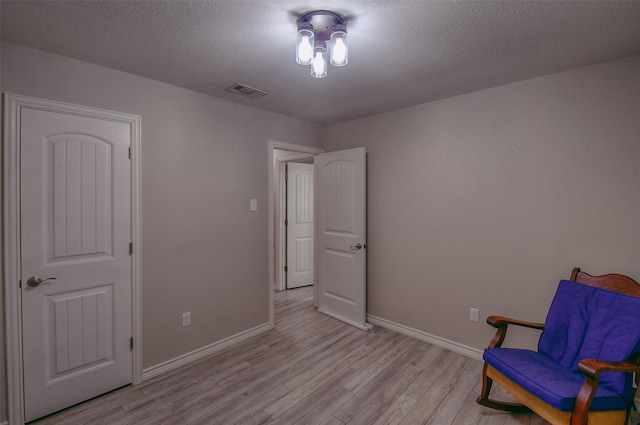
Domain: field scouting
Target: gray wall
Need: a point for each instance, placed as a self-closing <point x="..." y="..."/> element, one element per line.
<point x="488" y="199"/>
<point x="202" y="160"/>
<point x="483" y="200"/>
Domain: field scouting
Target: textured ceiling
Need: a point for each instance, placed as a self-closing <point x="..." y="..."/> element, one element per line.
<point x="402" y="53"/>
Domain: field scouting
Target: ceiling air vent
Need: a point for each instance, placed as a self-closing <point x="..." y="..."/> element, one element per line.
<point x="246" y="91"/>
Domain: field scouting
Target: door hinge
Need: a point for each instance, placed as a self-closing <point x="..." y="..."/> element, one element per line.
<point x="286" y="222"/>
<point x="130" y="152"/>
<point x="131" y="343"/>
<point x="286" y="268"/>
<point x="20" y="284"/>
<point x="130" y="248"/>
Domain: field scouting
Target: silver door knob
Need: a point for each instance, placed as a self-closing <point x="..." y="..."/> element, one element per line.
<point x="34" y="281"/>
<point x="356" y="247"/>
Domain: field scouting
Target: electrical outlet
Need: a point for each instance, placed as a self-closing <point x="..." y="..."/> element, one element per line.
<point x="473" y="314"/>
<point x="186" y="319"/>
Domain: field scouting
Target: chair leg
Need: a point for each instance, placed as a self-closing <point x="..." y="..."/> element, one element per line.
<point x="487" y="383"/>
<point x="484" y="399"/>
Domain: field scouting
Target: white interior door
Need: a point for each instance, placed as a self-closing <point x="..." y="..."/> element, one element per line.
<point x="341" y="235"/>
<point x="75" y="229"/>
<point x="299" y="225"/>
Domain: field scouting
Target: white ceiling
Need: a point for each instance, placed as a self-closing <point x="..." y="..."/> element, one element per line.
<point x="402" y="52"/>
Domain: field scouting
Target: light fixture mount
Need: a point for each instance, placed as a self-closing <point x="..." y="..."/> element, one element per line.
<point x="322" y="23"/>
<point x="321" y="39"/>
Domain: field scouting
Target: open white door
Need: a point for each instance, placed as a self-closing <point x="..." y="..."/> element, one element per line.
<point x="299" y="225"/>
<point x="341" y="236"/>
<point x="76" y="265"/>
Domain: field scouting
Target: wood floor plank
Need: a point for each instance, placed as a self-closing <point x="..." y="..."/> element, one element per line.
<point x="335" y="366"/>
<point x="107" y="418"/>
<point x="429" y="356"/>
<point x="335" y="342"/>
<point x="430" y="401"/>
<point x="310" y="370"/>
<point x="82" y="413"/>
<point x="244" y="407"/>
<point x="192" y="400"/>
<point x="468" y="412"/>
<point x="399" y="373"/>
<point x="496" y="417"/>
<point x="493" y="417"/>
<point x="257" y="419"/>
<point x="396" y="412"/>
<point x="254" y="410"/>
<point x="378" y="345"/>
<point x="349" y="341"/>
<point x="254" y="386"/>
<point x="321" y="413"/>
<point x="332" y="421"/>
<point x="260" y="366"/>
<point x="368" y="374"/>
<point x="439" y="364"/>
<point x="295" y="411"/>
<point x="448" y="409"/>
<point x="518" y="419"/>
<point x="383" y="399"/>
<point x="186" y="388"/>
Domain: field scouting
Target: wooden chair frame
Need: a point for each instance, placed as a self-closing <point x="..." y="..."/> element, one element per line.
<point x="590" y="368"/>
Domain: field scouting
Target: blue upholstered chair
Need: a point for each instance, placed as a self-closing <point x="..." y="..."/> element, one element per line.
<point x="588" y="353"/>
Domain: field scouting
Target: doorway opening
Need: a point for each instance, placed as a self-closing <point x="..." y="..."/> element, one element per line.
<point x="297" y="234"/>
<point x="280" y="156"/>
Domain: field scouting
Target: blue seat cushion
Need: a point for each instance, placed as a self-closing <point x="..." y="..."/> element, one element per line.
<point x="548" y="380"/>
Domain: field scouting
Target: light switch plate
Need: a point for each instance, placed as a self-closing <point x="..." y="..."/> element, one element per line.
<point x="473" y="314"/>
<point x="253" y="204"/>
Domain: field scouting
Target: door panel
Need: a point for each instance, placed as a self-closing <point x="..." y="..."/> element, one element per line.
<point x="81" y="332"/>
<point x="300" y="240"/>
<point x="342" y="235"/>
<point x="77" y="169"/>
<point x="76" y="228"/>
<point x="339" y="277"/>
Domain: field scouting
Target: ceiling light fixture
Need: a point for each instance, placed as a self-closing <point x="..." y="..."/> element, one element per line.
<point x="322" y="38"/>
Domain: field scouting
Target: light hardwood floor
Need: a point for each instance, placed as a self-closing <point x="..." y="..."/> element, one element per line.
<point x="311" y="369"/>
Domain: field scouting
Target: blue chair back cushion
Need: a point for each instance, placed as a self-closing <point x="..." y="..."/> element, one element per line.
<point x="582" y="322"/>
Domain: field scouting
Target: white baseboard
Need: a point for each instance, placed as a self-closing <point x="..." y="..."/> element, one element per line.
<point x="200" y="353"/>
<point x="456" y="347"/>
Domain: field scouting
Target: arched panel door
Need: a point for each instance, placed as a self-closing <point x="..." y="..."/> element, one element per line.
<point x="341" y="236"/>
<point x="75" y="215"/>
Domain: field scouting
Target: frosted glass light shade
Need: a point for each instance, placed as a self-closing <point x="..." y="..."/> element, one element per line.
<point x="304" y="46"/>
<point x="320" y="60"/>
<point x="338" y="47"/>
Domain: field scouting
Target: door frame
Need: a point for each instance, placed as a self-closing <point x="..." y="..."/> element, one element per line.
<point x="13" y="105"/>
<point x="274" y="195"/>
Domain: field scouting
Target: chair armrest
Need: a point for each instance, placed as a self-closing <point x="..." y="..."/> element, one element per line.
<point x="497" y="321"/>
<point x="591" y="369"/>
<point x="501" y="323"/>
